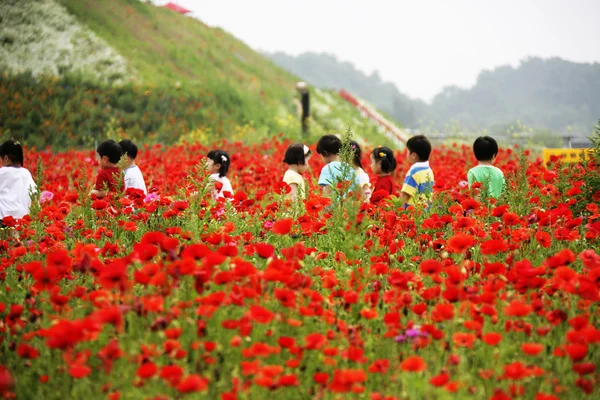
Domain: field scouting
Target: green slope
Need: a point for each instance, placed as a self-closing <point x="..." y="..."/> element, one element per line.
<point x="184" y="80"/>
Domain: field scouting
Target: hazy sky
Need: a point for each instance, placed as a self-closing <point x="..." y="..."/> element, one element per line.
<point x="421" y="46"/>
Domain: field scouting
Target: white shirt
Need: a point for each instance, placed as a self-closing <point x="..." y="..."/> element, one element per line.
<point x="226" y="186"/>
<point x="134" y="178"/>
<point x="363" y="179"/>
<point x="15" y="186"/>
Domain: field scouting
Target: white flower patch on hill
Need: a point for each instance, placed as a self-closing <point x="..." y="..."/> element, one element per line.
<point x="40" y="36"/>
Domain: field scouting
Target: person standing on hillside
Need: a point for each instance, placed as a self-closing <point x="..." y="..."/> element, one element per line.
<point x="302" y="89"/>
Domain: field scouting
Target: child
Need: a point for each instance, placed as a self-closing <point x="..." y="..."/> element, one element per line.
<point x="492" y="178"/>
<point x="218" y="165"/>
<point x="418" y="184"/>
<point x="133" y="174"/>
<point x="329" y="147"/>
<point x="296" y="157"/>
<point x="16" y="182"/>
<point x="383" y="165"/>
<point x="363" y="178"/>
<point x="109" y="153"/>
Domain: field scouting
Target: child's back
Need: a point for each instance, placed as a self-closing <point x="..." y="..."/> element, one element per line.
<point x="418" y="183"/>
<point x="490" y="177"/>
<point x="109" y="153"/>
<point x="334" y="171"/>
<point x="364" y="181"/>
<point x="296" y="157"/>
<point x="133" y="174"/>
<point x="485" y="149"/>
<point x="134" y="178"/>
<point x="218" y="166"/>
<point x="419" y="180"/>
<point x="337" y="171"/>
<point x="15" y="186"/>
<point x="16" y="182"/>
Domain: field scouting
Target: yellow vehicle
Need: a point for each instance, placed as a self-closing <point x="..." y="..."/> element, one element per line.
<point x="565" y="155"/>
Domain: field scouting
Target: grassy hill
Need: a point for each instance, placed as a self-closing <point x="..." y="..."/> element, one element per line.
<point x="178" y="79"/>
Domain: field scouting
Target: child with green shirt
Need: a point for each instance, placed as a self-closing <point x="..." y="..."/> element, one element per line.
<point x="490" y="177"/>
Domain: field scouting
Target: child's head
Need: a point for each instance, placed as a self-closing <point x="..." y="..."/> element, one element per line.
<point x="356" y="154"/>
<point x="297" y="154"/>
<point x="383" y="160"/>
<point x="419" y="149"/>
<point x="11" y="153"/>
<point x="329" y="146"/>
<point x="485" y="149"/>
<point x="109" y="152"/>
<point x="218" y="162"/>
<point x="129" y="149"/>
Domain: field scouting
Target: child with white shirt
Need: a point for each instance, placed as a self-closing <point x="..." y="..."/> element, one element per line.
<point x="296" y="157"/>
<point x="133" y="174"/>
<point x="16" y="182"/>
<point x="218" y="165"/>
<point x="363" y="177"/>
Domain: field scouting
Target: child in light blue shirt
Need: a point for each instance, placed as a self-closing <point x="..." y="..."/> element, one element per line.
<point x="335" y="171"/>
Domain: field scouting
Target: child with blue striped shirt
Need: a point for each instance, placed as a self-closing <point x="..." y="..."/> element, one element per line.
<point x="418" y="183"/>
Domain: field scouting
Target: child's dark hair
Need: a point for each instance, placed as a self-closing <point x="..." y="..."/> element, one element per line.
<point x="296" y="154"/>
<point x="329" y="145"/>
<point x="13" y="150"/>
<point x="129" y="148"/>
<point x="386" y="156"/>
<point x="420" y="145"/>
<point x="356" y="153"/>
<point x="220" y="157"/>
<point x="485" y="148"/>
<point x="110" y="149"/>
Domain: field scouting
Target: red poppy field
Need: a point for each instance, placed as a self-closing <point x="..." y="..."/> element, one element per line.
<point x="167" y="296"/>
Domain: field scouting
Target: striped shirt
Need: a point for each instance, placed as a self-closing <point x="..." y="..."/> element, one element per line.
<point x="418" y="184"/>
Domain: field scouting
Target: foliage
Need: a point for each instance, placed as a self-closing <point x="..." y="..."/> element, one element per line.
<point x="188" y="79"/>
<point x="41" y="37"/>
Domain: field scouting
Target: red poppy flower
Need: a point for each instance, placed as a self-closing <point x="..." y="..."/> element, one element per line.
<point x="461" y="339"/>
<point x="430" y="267"/>
<point x="79" y="371"/>
<point x="283" y="227"/>
<point x="517" y="309"/>
<point x="147" y="370"/>
<point x="460" y="242"/>
<point x="315" y="341"/>
<point x="413" y="364"/>
<point x="192" y="383"/>
<point x="321" y="378"/>
<point x="493" y="247"/>
<point x="492" y="338"/>
<point x="576" y="351"/>
<point x="440" y="380"/>
<point x="264" y="250"/>
<point x="261" y="315"/>
<point x="532" y="349"/>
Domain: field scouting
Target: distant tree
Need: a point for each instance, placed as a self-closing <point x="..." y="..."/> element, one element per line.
<point x="545" y="94"/>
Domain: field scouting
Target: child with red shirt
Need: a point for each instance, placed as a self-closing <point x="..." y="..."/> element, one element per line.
<point x="383" y="164"/>
<point x="109" y="154"/>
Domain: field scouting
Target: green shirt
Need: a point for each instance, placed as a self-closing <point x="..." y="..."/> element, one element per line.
<point x="490" y="176"/>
